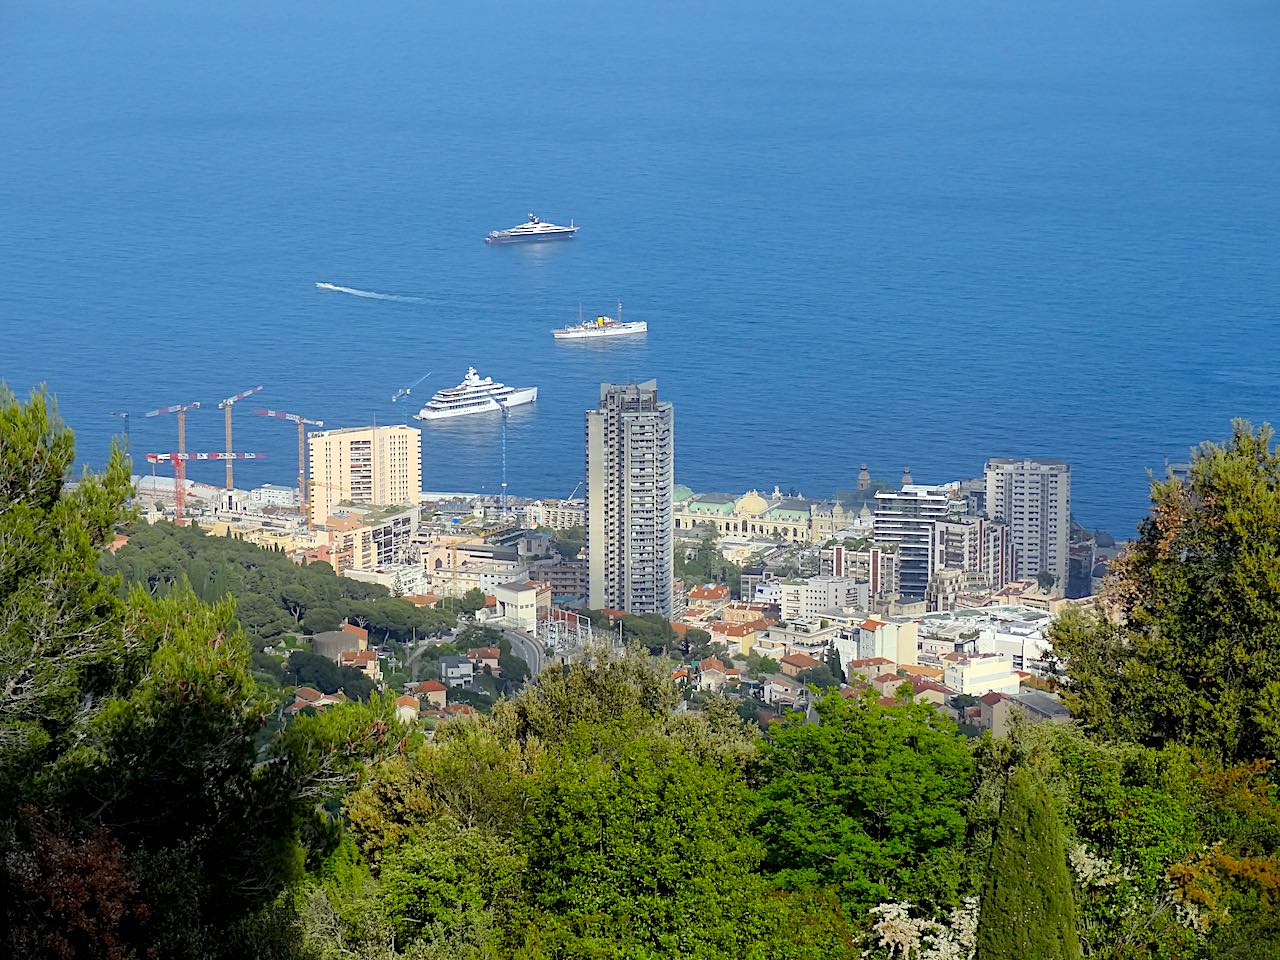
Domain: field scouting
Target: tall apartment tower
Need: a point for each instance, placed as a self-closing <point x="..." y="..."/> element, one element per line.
<point x="906" y="520"/>
<point x="1034" y="498"/>
<point x="630" y="491"/>
<point x="377" y="465"/>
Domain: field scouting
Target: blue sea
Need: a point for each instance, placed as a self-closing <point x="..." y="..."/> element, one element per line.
<point x="901" y="233"/>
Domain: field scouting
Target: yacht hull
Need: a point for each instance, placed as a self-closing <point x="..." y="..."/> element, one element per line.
<point x="601" y="333"/>
<point x="531" y="237"/>
<point x="516" y="398"/>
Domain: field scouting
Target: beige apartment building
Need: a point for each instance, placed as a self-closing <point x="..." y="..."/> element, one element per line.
<point x="369" y="465"/>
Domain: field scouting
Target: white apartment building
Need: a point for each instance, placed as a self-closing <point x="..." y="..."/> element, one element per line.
<point x="806" y="598"/>
<point x="630" y="441"/>
<point x="1034" y="498"/>
<point x="556" y="514"/>
<point x="273" y="495"/>
<point x="896" y="640"/>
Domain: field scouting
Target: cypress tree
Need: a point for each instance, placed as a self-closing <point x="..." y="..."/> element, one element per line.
<point x="1027" y="911"/>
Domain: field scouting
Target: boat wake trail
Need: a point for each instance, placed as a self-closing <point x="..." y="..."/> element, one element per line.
<point x="367" y="293"/>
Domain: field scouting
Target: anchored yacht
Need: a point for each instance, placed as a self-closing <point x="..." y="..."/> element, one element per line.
<point x="600" y="328"/>
<point x="475" y="394"/>
<point x="533" y="230"/>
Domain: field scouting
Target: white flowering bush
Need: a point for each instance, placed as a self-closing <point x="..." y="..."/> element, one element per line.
<point x="897" y="934"/>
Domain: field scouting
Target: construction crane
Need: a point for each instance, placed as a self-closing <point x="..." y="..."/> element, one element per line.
<point x="123" y="415"/>
<point x="180" y="460"/>
<point x="179" y="467"/>
<point x="302" y="423"/>
<point x="226" y="406"/>
<point x="405" y="391"/>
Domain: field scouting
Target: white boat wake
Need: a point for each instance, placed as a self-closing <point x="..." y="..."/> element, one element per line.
<point x="366" y="293"/>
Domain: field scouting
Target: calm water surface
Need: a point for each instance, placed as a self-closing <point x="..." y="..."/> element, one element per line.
<point x="901" y="233"/>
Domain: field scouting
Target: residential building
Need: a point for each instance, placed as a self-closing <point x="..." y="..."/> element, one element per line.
<point x="739" y="634"/>
<point x="630" y="483"/>
<point x="945" y="589"/>
<point x="331" y="643"/>
<point x="1083" y="557"/>
<point x="311" y="698"/>
<point x="979" y="547"/>
<point x="806" y="598"/>
<point x="745" y="612"/>
<point x="366" y="661"/>
<point x="978" y="674"/>
<point x="907" y="519"/>
<point x="869" y="668"/>
<point x="432" y="692"/>
<point x="894" y="640"/>
<point x="364" y="538"/>
<point x="780" y="690"/>
<point x="273" y="495"/>
<point x="874" y="564"/>
<point x="556" y="514"/>
<point x="456" y="672"/>
<point x="794" y="664"/>
<point x="380" y="466"/>
<point x="797" y="636"/>
<point x="568" y="578"/>
<point x="485" y="658"/>
<point x="1033" y="706"/>
<point x="712" y="674"/>
<point x="1034" y="498"/>
<point x="407" y="709"/>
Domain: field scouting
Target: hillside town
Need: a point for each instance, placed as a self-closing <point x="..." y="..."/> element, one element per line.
<point x="944" y="590"/>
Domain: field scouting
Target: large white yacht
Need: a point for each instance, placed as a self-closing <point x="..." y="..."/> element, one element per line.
<point x="534" y="230"/>
<point x="475" y="394"/>
<point x="601" y="328"/>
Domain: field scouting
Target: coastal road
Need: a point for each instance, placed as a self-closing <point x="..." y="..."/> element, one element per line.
<point x="529" y="650"/>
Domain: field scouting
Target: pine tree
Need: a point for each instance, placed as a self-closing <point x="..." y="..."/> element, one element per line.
<point x="1027" y="910"/>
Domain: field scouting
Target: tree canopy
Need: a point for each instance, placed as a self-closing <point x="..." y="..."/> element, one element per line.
<point x="1192" y="654"/>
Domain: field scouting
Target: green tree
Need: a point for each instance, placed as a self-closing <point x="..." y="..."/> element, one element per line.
<point x="832" y="660"/>
<point x="473" y="600"/>
<point x="313" y="670"/>
<point x="1027" y="910"/>
<point x="451" y="888"/>
<point x="820" y="677"/>
<point x="321" y="620"/>
<point x="869" y="802"/>
<point x="62" y="640"/>
<point x="1193" y="655"/>
<point x="131" y="722"/>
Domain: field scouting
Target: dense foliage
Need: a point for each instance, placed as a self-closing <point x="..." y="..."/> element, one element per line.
<point x="274" y="596"/>
<point x="140" y="817"/>
<point x="312" y="670"/>
<point x="1193" y="653"/>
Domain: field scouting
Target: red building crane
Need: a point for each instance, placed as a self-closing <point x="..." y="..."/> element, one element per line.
<point x="179" y="461"/>
<point x="179" y="466"/>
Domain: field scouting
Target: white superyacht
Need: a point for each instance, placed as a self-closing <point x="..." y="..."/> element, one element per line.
<point x="475" y="394"/>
